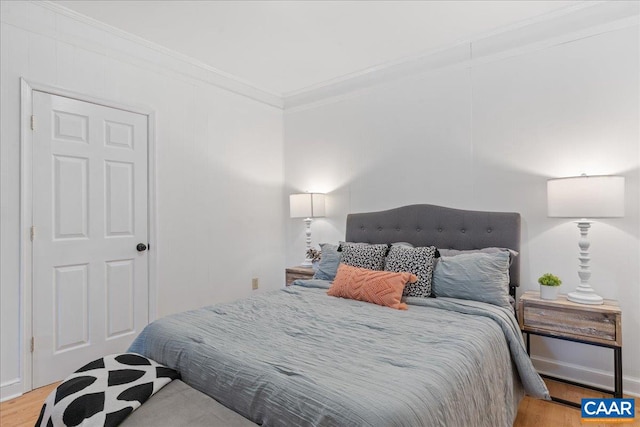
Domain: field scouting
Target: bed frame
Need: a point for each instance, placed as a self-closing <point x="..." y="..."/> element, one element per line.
<point x="444" y="228"/>
<point x="420" y="225"/>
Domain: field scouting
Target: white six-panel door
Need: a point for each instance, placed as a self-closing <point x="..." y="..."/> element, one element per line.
<point x="90" y="282"/>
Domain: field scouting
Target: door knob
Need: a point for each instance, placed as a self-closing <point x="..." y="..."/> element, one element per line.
<point x="141" y="247"/>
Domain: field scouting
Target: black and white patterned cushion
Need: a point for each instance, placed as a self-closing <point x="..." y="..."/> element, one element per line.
<point x="364" y="255"/>
<point x="418" y="261"/>
<point x="104" y="392"/>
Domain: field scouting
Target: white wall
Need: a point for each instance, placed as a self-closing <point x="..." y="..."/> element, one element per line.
<point x="487" y="135"/>
<point x="219" y="164"/>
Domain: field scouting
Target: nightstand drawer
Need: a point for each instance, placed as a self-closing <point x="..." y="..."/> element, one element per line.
<point x="562" y="318"/>
<point x="570" y="322"/>
<point x="295" y="273"/>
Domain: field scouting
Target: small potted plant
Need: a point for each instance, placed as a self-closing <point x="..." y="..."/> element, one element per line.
<point x="549" y="285"/>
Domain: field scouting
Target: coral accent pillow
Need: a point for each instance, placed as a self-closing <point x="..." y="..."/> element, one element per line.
<point x="379" y="287"/>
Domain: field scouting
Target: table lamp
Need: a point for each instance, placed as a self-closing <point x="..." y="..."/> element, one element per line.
<point x="307" y="206"/>
<point x="585" y="197"/>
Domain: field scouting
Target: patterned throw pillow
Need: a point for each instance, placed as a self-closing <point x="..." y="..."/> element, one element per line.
<point x="379" y="287"/>
<point x="418" y="261"/>
<point x="104" y="392"/>
<point x="364" y="255"/>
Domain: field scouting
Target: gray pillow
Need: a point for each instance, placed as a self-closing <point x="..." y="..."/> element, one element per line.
<point x="328" y="265"/>
<point x="364" y="255"/>
<point x="475" y="276"/>
<point x="454" y="252"/>
<point x="418" y="261"/>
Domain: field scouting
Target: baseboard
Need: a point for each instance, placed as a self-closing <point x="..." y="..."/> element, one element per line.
<point x="10" y="389"/>
<point x="584" y="375"/>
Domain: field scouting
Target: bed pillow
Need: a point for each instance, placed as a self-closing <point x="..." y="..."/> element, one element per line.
<point x="364" y="255"/>
<point x="328" y="265"/>
<point x="379" y="287"/>
<point x="418" y="261"/>
<point x="454" y="252"/>
<point x="475" y="276"/>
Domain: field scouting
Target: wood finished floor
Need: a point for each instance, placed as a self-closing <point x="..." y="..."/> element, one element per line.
<point x="23" y="411"/>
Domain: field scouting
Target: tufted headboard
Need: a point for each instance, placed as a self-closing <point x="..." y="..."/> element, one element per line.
<point x="444" y="228"/>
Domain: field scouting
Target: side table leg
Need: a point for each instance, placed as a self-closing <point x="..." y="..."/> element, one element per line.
<point x="528" y="344"/>
<point x="617" y="367"/>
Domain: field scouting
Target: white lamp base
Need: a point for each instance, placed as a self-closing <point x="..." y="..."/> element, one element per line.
<point x="584" y="293"/>
<point x="307" y="261"/>
<point x="585" y="296"/>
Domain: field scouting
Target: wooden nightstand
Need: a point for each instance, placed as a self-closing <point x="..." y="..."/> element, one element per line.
<point x="599" y="325"/>
<point x="295" y="273"/>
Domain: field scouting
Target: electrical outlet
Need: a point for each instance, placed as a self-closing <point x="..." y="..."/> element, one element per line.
<point x="254" y="283"/>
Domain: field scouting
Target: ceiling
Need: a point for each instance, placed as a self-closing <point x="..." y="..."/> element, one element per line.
<point x="287" y="46"/>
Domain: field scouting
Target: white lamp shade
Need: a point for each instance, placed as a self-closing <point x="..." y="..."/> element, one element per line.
<point x="306" y="205"/>
<point x="586" y="197"/>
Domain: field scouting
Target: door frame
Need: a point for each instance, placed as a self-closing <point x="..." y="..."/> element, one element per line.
<point x="26" y="210"/>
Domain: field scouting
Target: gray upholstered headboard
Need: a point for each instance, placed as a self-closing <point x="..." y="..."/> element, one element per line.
<point x="444" y="228"/>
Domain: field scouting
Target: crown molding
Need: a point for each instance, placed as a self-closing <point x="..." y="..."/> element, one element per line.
<point x="565" y="25"/>
<point x="583" y="20"/>
<point x="193" y="67"/>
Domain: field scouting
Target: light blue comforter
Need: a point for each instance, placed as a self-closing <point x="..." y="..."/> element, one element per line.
<point x="297" y="357"/>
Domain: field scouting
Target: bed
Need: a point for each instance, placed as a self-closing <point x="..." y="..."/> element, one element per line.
<point x="298" y="357"/>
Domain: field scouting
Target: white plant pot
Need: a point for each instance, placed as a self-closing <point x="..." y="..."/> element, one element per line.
<point x="549" y="292"/>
